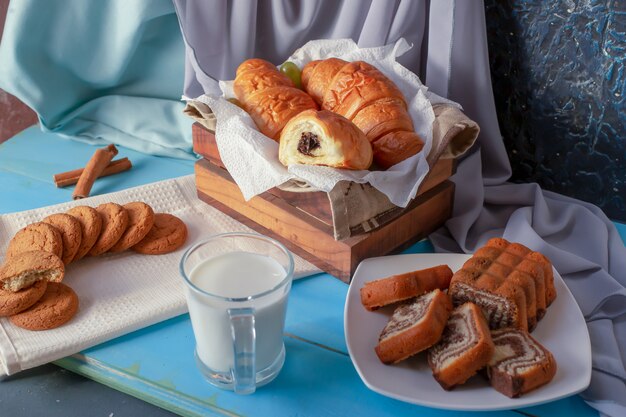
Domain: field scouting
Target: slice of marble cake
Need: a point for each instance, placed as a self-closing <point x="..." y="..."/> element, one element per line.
<point x="465" y="347"/>
<point x="512" y="284"/>
<point x="414" y="326"/>
<point x="519" y="364"/>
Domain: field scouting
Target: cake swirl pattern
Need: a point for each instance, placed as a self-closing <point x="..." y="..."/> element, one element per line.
<point x="414" y="326"/>
<point x="519" y="364"/>
<point x="464" y="348"/>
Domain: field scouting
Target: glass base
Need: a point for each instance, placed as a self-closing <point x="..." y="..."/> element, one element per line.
<point x="224" y="380"/>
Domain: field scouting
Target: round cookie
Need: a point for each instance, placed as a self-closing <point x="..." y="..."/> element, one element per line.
<point x="114" y="223"/>
<point x="36" y="236"/>
<point x="71" y="234"/>
<point x="167" y="234"/>
<point x="25" y="268"/>
<point x="140" y="221"/>
<point x="57" y="306"/>
<point x="90" y="223"/>
<point x="15" y="302"/>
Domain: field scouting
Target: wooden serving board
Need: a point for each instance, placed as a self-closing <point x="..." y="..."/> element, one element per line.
<point x="303" y="221"/>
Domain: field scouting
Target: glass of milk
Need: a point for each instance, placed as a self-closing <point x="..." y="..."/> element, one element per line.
<point x="236" y="285"/>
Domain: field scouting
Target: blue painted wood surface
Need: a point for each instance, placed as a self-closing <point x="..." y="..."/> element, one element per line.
<point x="156" y="363"/>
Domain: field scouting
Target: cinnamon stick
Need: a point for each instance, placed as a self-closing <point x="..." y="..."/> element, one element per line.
<point x="93" y="169"/>
<point x="64" y="179"/>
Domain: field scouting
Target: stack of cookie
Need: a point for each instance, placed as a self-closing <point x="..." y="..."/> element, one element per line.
<point x="499" y="295"/>
<point x="31" y="292"/>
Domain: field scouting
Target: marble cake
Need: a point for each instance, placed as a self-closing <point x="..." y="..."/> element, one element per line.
<point x="464" y="348"/>
<point x="519" y="364"/>
<point x="414" y="327"/>
<point x="512" y="284"/>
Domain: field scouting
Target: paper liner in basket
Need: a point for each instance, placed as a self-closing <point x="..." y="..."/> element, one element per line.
<point x="360" y="209"/>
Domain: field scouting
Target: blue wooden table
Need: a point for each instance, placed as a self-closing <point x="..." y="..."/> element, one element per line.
<point x="156" y="364"/>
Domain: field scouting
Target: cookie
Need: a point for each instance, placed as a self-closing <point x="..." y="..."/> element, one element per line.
<point x="140" y="221"/>
<point x="71" y="234"/>
<point x="114" y="224"/>
<point x="36" y="236"/>
<point x="24" y="269"/>
<point x="57" y="306"/>
<point x="15" y="302"/>
<point x="91" y="224"/>
<point x="167" y="234"/>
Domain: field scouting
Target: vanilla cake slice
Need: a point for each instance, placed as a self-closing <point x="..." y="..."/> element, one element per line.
<point x="519" y="364"/>
<point x="414" y="326"/>
<point x="464" y="348"/>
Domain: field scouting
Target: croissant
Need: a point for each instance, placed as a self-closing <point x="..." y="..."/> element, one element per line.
<point x="364" y="95"/>
<point x="356" y="85"/>
<point x="254" y="64"/>
<point x="317" y="75"/>
<point x="273" y="107"/>
<point x="395" y="147"/>
<point x="324" y="138"/>
<point x="382" y="117"/>
<point x="305" y="75"/>
<point x="269" y="96"/>
<point x="250" y="82"/>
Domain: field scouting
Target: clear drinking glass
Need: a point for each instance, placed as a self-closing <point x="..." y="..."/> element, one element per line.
<point x="236" y="285"/>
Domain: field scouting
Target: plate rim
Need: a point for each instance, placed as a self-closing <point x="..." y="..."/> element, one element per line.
<point x="451" y="406"/>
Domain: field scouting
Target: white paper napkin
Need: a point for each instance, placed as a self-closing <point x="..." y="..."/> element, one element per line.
<point x="252" y="158"/>
<point x="118" y="293"/>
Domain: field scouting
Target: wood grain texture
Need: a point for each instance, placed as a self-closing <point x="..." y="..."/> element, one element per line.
<point x="315" y="204"/>
<point x="313" y="239"/>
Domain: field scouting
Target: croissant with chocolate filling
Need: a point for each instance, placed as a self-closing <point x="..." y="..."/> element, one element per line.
<point x="365" y="96"/>
<point x="269" y="96"/>
<point x="324" y="138"/>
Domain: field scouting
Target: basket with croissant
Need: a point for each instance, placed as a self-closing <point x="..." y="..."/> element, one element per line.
<point x="335" y="114"/>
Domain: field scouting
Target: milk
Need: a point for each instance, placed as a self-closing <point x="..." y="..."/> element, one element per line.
<point x="236" y="275"/>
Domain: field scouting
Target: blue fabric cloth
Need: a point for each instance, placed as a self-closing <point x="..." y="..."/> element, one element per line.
<point x="100" y="71"/>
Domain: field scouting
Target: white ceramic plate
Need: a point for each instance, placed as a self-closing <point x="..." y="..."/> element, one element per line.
<point x="562" y="331"/>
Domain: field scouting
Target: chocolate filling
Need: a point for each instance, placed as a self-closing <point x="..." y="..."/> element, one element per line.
<point x="308" y="142"/>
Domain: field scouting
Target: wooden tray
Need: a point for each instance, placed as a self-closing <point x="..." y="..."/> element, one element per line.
<point x="303" y="221"/>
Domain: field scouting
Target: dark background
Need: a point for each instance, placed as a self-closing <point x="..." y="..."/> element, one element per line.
<point x="559" y="81"/>
<point x="560" y="87"/>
